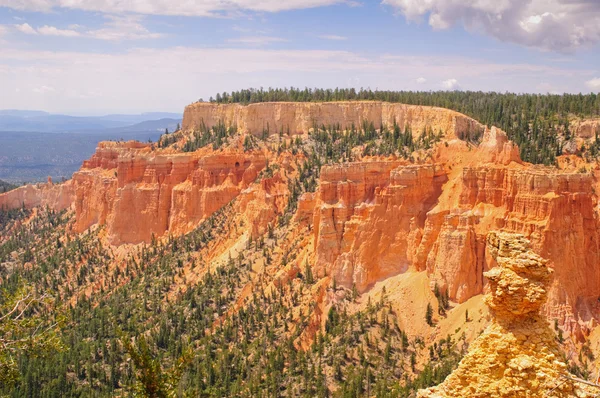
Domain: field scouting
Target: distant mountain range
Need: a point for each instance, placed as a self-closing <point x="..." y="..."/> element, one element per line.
<point x="43" y="122"/>
<point x="37" y="144"/>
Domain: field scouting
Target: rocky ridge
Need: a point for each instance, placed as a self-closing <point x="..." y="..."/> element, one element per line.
<point x="298" y="118"/>
<point x="55" y="196"/>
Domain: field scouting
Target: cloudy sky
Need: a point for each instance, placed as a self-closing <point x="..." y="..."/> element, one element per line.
<point x="100" y="56"/>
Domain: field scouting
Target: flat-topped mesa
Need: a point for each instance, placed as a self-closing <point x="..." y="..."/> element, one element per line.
<point x="300" y="117"/>
<point x="139" y="192"/>
<point x="517" y="355"/>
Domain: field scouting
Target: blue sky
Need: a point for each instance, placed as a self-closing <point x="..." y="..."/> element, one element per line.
<point x="101" y="56"/>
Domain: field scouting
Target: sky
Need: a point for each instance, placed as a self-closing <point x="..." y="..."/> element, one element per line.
<point x="128" y="56"/>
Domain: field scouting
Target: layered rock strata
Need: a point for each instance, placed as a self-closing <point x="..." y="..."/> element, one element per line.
<point x="139" y="193"/>
<point x="300" y="117"/>
<point x="371" y="219"/>
<point x="379" y="218"/>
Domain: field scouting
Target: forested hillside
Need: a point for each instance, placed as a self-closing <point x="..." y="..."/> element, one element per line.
<point x="5" y="186"/>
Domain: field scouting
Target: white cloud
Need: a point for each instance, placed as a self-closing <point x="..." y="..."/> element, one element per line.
<point x="594" y="84"/>
<point x="43" y="89"/>
<point x="556" y="25"/>
<point x="256" y="40"/>
<point x="123" y="28"/>
<point x="170" y="7"/>
<point x="450" y="84"/>
<point x="242" y="29"/>
<point x="26" y="28"/>
<point x="116" y="28"/>
<point x="102" y="82"/>
<point x="421" y="80"/>
<point x="333" y="37"/>
<point x="53" y="31"/>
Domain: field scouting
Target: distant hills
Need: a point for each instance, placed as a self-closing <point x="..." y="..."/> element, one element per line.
<point x="37" y="144"/>
<point x="43" y="122"/>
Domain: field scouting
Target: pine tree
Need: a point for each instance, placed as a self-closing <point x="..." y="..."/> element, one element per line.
<point x="429" y="315"/>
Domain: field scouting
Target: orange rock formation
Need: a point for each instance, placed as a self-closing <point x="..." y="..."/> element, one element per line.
<point x="55" y="196"/>
<point x="138" y="192"/>
<point x="379" y="218"/>
<point x="517" y="355"/>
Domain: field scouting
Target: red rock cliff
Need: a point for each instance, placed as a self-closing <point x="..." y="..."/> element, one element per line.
<point x="138" y="192"/>
<point x="381" y="218"/>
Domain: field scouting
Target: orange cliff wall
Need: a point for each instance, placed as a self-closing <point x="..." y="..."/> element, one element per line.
<point x="368" y="216"/>
<point x="299" y="117"/>
<point x="556" y="210"/>
<point x="55" y="196"/>
<point x="139" y="192"/>
<point x="376" y="219"/>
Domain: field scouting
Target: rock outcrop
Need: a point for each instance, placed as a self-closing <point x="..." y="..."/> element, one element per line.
<point x="379" y="218"/>
<point x="587" y="129"/>
<point x="299" y="117"/>
<point x="368" y="217"/>
<point x="554" y="209"/>
<point x="139" y="192"/>
<point x="517" y="355"/>
<point x="54" y="196"/>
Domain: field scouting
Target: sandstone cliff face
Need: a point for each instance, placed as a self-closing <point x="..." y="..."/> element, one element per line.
<point x="380" y="218"/>
<point x="517" y="355"/>
<point x="55" y="196"/>
<point x="138" y="192"/>
<point x="375" y="219"/>
<point x="368" y="217"/>
<point x="554" y="209"/>
<point x="299" y="117"/>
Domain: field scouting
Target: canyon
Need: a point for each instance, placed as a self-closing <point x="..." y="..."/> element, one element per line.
<point x="371" y="219"/>
<point x="450" y="212"/>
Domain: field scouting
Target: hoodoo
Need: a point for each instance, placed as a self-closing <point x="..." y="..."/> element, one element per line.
<point x="517" y="355"/>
